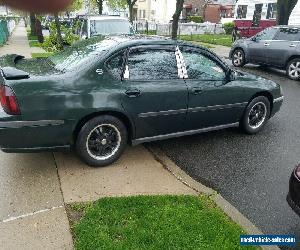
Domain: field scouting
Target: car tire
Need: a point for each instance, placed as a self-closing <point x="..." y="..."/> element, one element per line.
<point x="293" y="69"/>
<point x="256" y="115"/>
<point x="238" y="58"/>
<point x="101" y="141"/>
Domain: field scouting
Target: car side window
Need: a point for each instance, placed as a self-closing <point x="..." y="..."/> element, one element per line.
<point x="116" y="65"/>
<point x="288" y="34"/>
<point x="152" y="64"/>
<point x="266" y="34"/>
<point x="201" y="67"/>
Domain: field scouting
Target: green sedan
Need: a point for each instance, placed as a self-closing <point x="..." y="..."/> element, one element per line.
<point x="103" y="93"/>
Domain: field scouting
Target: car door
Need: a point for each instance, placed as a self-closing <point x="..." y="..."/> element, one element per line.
<point x="154" y="95"/>
<point x="259" y="44"/>
<point x="283" y="46"/>
<point x="212" y="100"/>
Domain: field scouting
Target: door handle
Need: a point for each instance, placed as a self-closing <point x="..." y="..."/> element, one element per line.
<point x="133" y="92"/>
<point x="267" y="44"/>
<point x="292" y="45"/>
<point x="197" y="91"/>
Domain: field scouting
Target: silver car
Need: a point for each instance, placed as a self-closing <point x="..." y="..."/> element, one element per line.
<point x="277" y="47"/>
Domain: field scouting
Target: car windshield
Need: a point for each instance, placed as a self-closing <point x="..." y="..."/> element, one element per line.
<point x="80" y="53"/>
<point x="110" y="27"/>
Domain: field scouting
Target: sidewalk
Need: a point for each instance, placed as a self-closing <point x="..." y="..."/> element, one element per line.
<point x="18" y="44"/>
<point x="34" y="188"/>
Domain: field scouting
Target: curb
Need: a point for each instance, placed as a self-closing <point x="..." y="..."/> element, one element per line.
<point x="228" y="209"/>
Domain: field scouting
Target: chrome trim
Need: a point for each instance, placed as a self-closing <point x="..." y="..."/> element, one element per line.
<point x="179" y="134"/>
<point x="37" y="149"/>
<point x="167" y="112"/>
<point x="279" y="99"/>
<point x="21" y="124"/>
<point x="216" y="107"/>
<point x="196" y="109"/>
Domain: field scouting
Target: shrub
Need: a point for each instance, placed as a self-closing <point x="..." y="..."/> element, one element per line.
<point x="51" y="43"/>
<point x="228" y="27"/>
<point x="195" y="19"/>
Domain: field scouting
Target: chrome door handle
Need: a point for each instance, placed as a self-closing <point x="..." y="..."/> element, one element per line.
<point x="292" y="45"/>
<point x="133" y="93"/>
<point x="197" y="91"/>
<point x="267" y="44"/>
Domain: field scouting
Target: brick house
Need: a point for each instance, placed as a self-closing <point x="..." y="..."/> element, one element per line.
<point x="215" y="10"/>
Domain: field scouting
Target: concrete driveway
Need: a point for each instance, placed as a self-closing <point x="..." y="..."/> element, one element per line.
<point x="34" y="189"/>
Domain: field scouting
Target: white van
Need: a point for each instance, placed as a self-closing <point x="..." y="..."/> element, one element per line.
<point x="105" y="25"/>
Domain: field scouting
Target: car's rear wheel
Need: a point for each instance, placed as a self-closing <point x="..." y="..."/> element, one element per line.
<point x="238" y="58"/>
<point x="293" y="69"/>
<point x="101" y="141"/>
<point x="256" y="115"/>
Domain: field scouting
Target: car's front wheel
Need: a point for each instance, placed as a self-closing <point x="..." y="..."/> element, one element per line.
<point x="101" y="141"/>
<point x="293" y="69"/>
<point x="256" y="115"/>
<point x="238" y="58"/>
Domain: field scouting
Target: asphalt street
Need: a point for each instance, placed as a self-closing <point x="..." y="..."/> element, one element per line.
<point x="251" y="172"/>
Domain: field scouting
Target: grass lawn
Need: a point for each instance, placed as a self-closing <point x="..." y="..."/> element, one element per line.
<point x="153" y="222"/>
<point x="224" y="40"/>
<point x="34" y="43"/>
<point x="41" y="55"/>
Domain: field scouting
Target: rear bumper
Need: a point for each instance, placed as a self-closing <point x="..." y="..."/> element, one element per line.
<point x="34" y="136"/>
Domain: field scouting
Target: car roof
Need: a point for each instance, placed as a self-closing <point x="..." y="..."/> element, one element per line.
<point x="103" y="17"/>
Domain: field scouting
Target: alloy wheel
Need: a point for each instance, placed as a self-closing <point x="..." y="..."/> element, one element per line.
<point x="238" y="58"/>
<point x="103" y="141"/>
<point x="294" y="70"/>
<point x="257" y="115"/>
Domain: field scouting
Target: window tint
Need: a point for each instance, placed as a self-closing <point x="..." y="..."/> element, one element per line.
<point x="288" y="34"/>
<point x="201" y="67"/>
<point x="152" y="64"/>
<point x="266" y="34"/>
<point x="116" y="65"/>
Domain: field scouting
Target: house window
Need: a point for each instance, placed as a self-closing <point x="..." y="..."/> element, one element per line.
<point x="242" y="11"/>
<point x="142" y="13"/>
<point x="272" y="11"/>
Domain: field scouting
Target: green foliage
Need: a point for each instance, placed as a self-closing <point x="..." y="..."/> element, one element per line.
<point x="34" y="43"/>
<point x="117" y="4"/>
<point x="76" y="5"/>
<point x="228" y="27"/>
<point x="195" y="19"/>
<point x="51" y="43"/>
<point x="155" y="222"/>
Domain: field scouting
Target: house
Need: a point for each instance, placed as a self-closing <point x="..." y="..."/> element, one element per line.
<point x="214" y="11"/>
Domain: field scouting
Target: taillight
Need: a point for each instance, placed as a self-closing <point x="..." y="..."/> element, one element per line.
<point x="9" y="101"/>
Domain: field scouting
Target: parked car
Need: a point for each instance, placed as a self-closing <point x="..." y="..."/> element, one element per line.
<point x="293" y="197"/>
<point x="126" y="89"/>
<point x="277" y="47"/>
<point x="105" y="25"/>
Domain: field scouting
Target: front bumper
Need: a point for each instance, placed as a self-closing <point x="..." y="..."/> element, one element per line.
<point x="293" y="197"/>
<point x="277" y="103"/>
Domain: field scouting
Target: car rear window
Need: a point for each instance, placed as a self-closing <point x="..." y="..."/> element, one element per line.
<point x="80" y="53"/>
<point x="110" y="27"/>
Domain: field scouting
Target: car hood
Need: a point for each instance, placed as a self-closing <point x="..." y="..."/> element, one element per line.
<point x="33" y="67"/>
<point x="253" y="79"/>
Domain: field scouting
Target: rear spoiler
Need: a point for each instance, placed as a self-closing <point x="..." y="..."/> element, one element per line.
<point x="9" y="72"/>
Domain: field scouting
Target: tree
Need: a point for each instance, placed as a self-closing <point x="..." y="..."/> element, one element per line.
<point x="117" y="4"/>
<point x="179" y="7"/>
<point x="32" y="24"/>
<point x="284" y="10"/>
<point x="60" y="40"/>
<point x="99" y="5"/>
<point x="130" y="4"/>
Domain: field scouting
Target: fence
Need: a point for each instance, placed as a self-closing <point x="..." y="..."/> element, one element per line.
<point x="6" y="28"/>
<point x="183" y="28"/>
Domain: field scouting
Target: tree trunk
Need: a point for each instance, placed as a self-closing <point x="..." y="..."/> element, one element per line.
<point x="131" y="4"/>
<point x="32" y="24"/>
<point x="176" y="16"/>
<point x="284" y="10"/>
<point x="100" y="6"/>
<point x="58" y="30"/>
